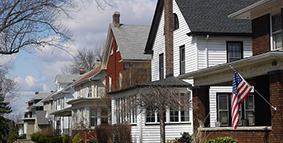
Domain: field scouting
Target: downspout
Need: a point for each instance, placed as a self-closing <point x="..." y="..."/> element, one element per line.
<point x="206" y="51"/>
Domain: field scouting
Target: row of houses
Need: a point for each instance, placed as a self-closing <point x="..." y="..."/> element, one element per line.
<point x="190" y="45"/>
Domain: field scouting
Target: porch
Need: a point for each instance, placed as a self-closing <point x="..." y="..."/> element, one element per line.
<point x="260" y="122"/>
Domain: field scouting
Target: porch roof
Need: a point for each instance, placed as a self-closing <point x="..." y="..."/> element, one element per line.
<point x="249" y="67"/>
<point x="63" y="112"/>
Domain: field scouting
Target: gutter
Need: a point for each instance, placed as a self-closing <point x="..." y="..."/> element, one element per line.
<point x="257" y="58"/>
<point x="249" y="8"/>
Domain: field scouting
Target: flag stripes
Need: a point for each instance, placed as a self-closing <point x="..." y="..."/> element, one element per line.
<point x="241" y="90"/>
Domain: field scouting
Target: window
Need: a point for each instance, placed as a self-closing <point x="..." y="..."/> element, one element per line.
<point x="276" y="33"/>
<point x="104" y="115"/>
<point x="150" y="115"/>
<point x="174" y="116"/>
<point x="89" y="94"/>
<point x="234" y="51"/>
<point x="111" y="51"/>
<point x="176" y="21"/>
<point x="122" y="113"/>
<point x="224" y="109"/>
<point x="161" y="66"/>
<point x="182" y="59"/>
<point x="109" y="83"/>
<point x="93" y="117"/>
<point x="120" y="79"/>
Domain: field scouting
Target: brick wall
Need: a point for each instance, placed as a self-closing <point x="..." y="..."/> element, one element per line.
<point x="241" y="136"/>
<point x="276" y="99"/>
<point x="260" y="34"/>
<point x="168" y="29"/>
<point x="114" y="67"/>
<point x="200" y="105"/>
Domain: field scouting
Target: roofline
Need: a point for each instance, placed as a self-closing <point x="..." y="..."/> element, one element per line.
<point x="88" y="79"/>
<point x="81" y="99"/>
<point x="257" y="58"/>
<point x="134" y="60"/>
<point x="249" y="8"/>
<point x="142" y="86"/>
<point x="154" y="27"/>
<point x="218" y="34"/>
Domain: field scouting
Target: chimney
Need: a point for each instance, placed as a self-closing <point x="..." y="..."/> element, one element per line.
<point x="97" y="63"/>
<point x="82" y="71"/>
<point x="116" y="19"/>
<point x="168" y="29"/>
<point x="36" y="93"/>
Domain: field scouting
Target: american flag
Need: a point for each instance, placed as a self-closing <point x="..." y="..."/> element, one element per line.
<point x="241" y="90"/>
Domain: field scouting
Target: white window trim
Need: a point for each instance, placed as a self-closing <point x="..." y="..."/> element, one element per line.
<point x="272" y="33"/>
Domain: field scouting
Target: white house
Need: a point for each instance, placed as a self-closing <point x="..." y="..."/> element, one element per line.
<point x="201" y="35"/>
<point x="62" y="111"/>
<point x="89" y="105"/>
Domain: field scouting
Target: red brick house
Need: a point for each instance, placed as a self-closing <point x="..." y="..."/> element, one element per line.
<point x="263" y="70"/>
<point x="123" y="58"/>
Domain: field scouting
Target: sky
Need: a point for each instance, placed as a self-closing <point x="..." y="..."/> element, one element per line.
<point x="35" y="70"/>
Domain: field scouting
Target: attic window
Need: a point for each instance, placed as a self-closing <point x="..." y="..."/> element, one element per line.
<point x="111" y="51"/>
<point x="176" y="21"/>
<point x="117" y="49"/>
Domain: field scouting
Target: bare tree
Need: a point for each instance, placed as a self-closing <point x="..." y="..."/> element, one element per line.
<point x="37" y="23"/>
<point x="158" y="99"/>
<point x="84" y="59"/>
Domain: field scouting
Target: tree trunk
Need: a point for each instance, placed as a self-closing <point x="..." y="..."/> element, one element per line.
<point x="162" y="127"/>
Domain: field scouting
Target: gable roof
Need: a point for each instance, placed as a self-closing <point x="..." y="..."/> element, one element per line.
<point x="205" y="17"/>
<point x="88" y="75"/>
<point x="67" y="79"/>
<point x="131" y="40"/>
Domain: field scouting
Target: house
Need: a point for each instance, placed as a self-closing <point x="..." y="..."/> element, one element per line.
<point x="34" y="118"/>
<point x="123" y="57"/>
<point x="263" y="71"/>
<point x="126" y="64"/>
<point x="61" y="110"/>
<point x="89" y="106"/>
<point x="188" y="36"/>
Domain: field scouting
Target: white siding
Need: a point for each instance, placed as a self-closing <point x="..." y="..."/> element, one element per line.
<point x="216" y="49"/>
<point x="158" y="48"/>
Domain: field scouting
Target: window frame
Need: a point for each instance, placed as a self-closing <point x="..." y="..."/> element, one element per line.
<point x="273" y="33"/>
<point x="91" y="116"/>
<point x="227" y="51"/>
<point x="161" y="66"/>
<point x="229" y="104"/>
<point x="109" y="83"/>
<point x="89" y="93"/>
<point x="176" y="21"/>
<point x="182" y="57"/>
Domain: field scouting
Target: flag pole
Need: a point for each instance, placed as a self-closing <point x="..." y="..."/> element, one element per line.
<point x="274" y="108"/>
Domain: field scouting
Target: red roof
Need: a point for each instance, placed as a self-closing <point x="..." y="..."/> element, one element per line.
<point x="91" y="73"/>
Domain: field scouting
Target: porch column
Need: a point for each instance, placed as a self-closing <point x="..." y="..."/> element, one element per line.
<point x="276" y="99"/>
<point x="200" y="105"/>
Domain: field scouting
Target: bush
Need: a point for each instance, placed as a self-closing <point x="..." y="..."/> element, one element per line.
<point x="44" y="140"/>
<point x="56" y="139"/>
<point x="24" y="136"/>
<point x="121" y="133"/>
<point x="66" y="138"/>
<point x="185" y="138"/>
<point x="12" y="138"/>
<point x="222" y="140"/>
<point x="77" y="139"/>
<point x="103" y="133"/>
<point x="35" y="136"/>
<point x="93" y="141"/>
